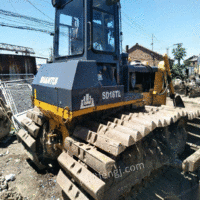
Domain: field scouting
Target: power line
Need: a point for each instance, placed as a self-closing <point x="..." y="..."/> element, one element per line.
<point x="28" y="25"/>
<point x="11" y="20"/>
<point x="38" y="9"/>
<point x="152" y="42"/>
<point x="135" y="24"/>
<point x="12" y="5"/>
<point x="12" y="14"/>
<point x="130" y="25"/>
<point x="141" y="28"/>
<point x="25" y="28"/>
<point x="44" y="26"/>
<point x="31" y="29"/>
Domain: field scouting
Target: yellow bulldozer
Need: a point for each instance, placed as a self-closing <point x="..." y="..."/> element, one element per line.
<point x="104" y="120"/>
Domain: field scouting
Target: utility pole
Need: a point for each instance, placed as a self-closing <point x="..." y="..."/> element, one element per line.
<point x="198" y="64"/>
<point x="152" y="42"/>
<point x="167" y="50"/>
<point x="152" y="50"/>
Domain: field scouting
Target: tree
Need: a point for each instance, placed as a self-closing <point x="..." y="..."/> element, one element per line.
<point x="187" y="63"/>
<point x="177" y="71"/>
<point x="179" y="53"/>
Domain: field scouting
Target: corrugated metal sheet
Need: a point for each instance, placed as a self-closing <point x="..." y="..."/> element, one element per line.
<point x="17" y="64"/>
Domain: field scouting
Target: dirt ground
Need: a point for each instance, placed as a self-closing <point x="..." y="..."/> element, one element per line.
<point x="30" y="183"/>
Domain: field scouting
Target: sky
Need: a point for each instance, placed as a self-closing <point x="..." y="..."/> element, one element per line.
<point x="169" y="21"/>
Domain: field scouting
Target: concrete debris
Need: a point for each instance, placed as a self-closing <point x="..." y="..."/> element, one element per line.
<point x="10" y="177"/>
<point x="3" y="154"/>
<point x="8" y="195"/>
<point x="26" y="178"/>
<point x="8" y="160"/>
<point x="3" y="184"/>
<point x="17" y="160"/>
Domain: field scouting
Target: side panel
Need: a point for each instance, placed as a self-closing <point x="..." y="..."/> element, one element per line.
<point x="94" y="86"/>
<point x="46" y="94"/>
<point x="53" y="83"/>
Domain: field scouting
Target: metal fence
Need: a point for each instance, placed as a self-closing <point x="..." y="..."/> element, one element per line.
<point x="17" y="92"/>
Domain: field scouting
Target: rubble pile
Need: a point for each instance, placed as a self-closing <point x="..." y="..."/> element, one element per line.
<point x="5" y="192"/>
<point x="189" y="87"/>
<point x="3" y="184"/>
<point x="8" y="195"/>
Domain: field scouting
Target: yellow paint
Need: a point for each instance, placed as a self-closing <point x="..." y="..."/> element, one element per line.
<point x="159" y="93"/>
<point x="104" y="107"/>
<point x="153" y="97"/>
<point x="148" y="98"/>
<point x="51" y="109"/>
<point x="59" y="117"/>
<point x="61" y="114"/>
<point x="160" y="77"/>
<point x="171" y="87"/>
<point x="154" y="92"/>
<point x="35" y="93"/>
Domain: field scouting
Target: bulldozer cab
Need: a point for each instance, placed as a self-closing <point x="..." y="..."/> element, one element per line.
<point x="69" y="29"/>
<point x="103" y="27"/>
<point x="86" y="30"/>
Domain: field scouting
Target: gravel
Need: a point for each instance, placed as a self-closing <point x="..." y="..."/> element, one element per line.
<point x="29" y="183"/>
<point x="21" y="94"/>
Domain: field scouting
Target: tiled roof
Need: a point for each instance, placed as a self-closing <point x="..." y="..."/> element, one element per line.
<point x="150" y="51"/>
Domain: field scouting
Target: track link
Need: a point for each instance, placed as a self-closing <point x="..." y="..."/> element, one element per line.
<point x="105" y="159"/>
<point x="173" y="183"/>
<point x="144" y="141"/>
